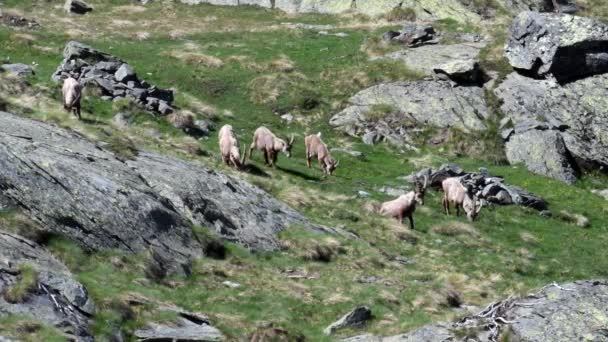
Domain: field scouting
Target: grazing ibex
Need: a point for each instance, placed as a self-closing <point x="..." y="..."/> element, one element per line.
<point x="315" y="147"/>
<point x="265" y="141"/>
<point x="405" y="205"/>
<point x="455" y="192"/>
<point x="72" y="92"/>
<point x="229" y="147"/>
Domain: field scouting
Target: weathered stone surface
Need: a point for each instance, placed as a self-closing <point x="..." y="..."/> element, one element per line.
<point x="571" y="312"/>
<point x="92" y="196"/>
<point x="462" y="71"/>
<point x="184" y="330"/>
<point x="411" y="104"/>
<point x="429" y="10"/>
<point x="412" y="35"/>
<point x="77" y="6"/>
<point x="58" y="300"/>
<point x="563" y="46"/>
<point x="425" y="59"/>
<point x="19" y="70"/>
<point x="577" y="111"/>
<point x="115" y="78"/>
<point x="237" y="211"/>
<point x="543" y="152"/>
<point x="355" y="318"/>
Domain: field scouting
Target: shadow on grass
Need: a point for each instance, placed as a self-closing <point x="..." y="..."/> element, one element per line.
<point x="256" y="171"/>
<point x="299" y="174"/>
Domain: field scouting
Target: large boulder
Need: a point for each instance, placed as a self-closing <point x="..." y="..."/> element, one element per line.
<point x="389" y="111"/>
<point x="571" y="312"/>
<point x="543" y="152"/>
<point x="576" y="112"/>
<point x="427" y="59"/>
<point x="91" y="195"/>
<point x="564" y="46"/>
<point x="57" y="299"/>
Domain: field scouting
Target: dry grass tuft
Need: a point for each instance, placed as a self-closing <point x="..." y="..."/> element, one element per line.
<point x="266" y="89"/>
<point x="529" y="238"/>
<point x="282" y="64"/>
<point x="25" y="285"/>
<point x="181" y="119"/>
<point x="454" y="228"/>
<point x="196" y="58"/>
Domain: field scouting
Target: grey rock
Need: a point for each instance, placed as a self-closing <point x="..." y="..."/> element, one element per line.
<point x="352" y="153"/>
<point x="77" y="6"/>
<point x="425" y="59"/>
<point x="70" y="306"/>
<point x="287" y="118"/>
<point x="111" y="66"/>
<point x="601" y="193"/>
<point x="102" y="201"/>
<point x="462" y="71"/>
<point x="578" y="111"/>
<point x="415" y="104"/>
<point x="543" y="152"/>
<point x="184" y="330"/>
<point x="203" y="126"/>
<point x="566" y="312"/>
<point x="563" y="46"/>
<point x="355" y="318"/>
<point x="164" y="108"/>
<point x="236" y="210"/>
<point x="413" y="35"/>
<point x="19" y="70"/>
<point x="362" y="193"/>
<point x="125" y="73"/>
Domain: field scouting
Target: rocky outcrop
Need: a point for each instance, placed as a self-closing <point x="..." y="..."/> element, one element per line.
<point x="356" y="318"/>
<point x="12" y="19"/>
<point x="543" y="151"/>
<point x="115" y="78"/>
<point x="516" y="6"/>
<point x="563" y="46"/>
<point x="447" y="59"/>
<point x="182" y="330"/>
<point x="236" y="210"/>
<point x="57" y="299"/>
<point x="571" y="312"/>
<point x="412" y="35"/>
<point x="92" y="196"/>
<point x="575" y="113"/>
<point x="391" y="111"/>
<point x="428" y="10"/>
<point x="485" y="186"/>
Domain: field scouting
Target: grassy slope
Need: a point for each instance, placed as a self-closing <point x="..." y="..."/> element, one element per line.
<point x="510" y="249"/>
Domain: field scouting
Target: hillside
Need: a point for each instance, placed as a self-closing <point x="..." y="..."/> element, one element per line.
<point x="128" y="220"/>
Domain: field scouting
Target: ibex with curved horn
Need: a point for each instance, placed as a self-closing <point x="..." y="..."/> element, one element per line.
<point x="315" y="147"/>
<point x="265" y="141"/>
<point x="462" y="196"/>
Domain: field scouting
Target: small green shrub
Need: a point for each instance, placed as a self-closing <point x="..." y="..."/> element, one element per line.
<point x="379" y="111"/>
<point x="27" y="283"/>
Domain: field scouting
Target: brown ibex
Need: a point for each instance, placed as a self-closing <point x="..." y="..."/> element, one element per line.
<point x="72" y="92"/>
<point x="265" y="141"/>
<point x="315" y="147"/>
<point x="229" y="147"/>
<point x="455" y="192"/>
<point x="405" y="205"/>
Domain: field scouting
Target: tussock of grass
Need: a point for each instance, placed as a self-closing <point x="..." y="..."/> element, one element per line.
<point x="196" y="58"/>
<point x="454" y="228"/>
<point x="26" y="284"/>
<point x="379" y="111"/>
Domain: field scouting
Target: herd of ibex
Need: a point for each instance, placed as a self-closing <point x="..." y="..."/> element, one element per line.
<point x="454" y="192"/>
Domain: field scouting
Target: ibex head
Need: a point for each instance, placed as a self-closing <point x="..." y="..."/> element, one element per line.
<point x="420" y="189"/>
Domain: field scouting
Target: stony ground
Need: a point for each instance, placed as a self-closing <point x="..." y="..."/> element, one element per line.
<point x="247" y="67"/>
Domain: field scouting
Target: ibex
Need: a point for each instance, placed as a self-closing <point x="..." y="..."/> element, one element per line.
<point x="315" y="147"/>
<point x="265" y="141"/>
<point x="405" y="205"/>
<point x="455" y="192"/>
<point x="72" y="92"/>
<point x="229" y="147"/>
